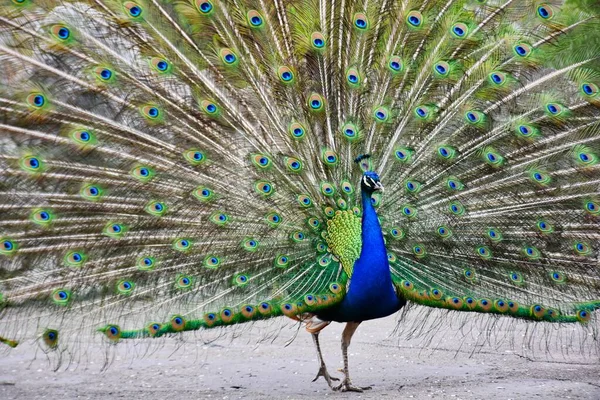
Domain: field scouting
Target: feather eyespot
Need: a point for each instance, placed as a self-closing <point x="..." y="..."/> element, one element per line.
<point x="104" y="74"/>
<point x="423" y="112"/>
<point x="436" y="294"/>
<point x="250" y="244"/>
<point x="441" y="69"/>
<point x="241" y="280"/>
<point x="446" y="152"/>
<point x="335" y="288"/>
<point x="75" y="259"/>
<point x="205" y="7"/>
<point x="296" y="130"/>
<point x="522" y="50"/>
<point x="584" y="315"/>
<point x="456" y="208"/>
<point x="184" y="282"/>
<point x="212" y="262"/>
<point x="125" y="287"/>
<point x="133" y="10"/>
<point x="248" y="311"/>
<point x="209" y="107"/>
<point x="228" y="57"/>
<point x="471" y="303"/>
<point x="61" y="32"/>
<point x="459" y="30"/>
<point x="484" y="304"/>
<point x="264" y="188"/>
<point x="470" y="275"/>
<point x="484" y="252"/>
<point x="282" y="261"/>
<point x="61" y="297"/>
<point x="178" y="323"/>
<point x="414" y="19"/>
<point x="194" y="156"/>
<point x="41" y="216"/>
<point x="557" y="277"/>
<point x="254" y="19"/>
<point x="403" y="154"/>
<point x="50" y="338"/>
<point x="203" y="194"/>
<point x="353" y="77"/>
<point x="327" y="189"/>
<point x="143" y="173"/>
<point x="526" y="131"/>
<point x="114" y="230"/>
<point x="153" y="329"/>
<point x="455" y="302"/>
<point x="397" y="233"/>
<point x="304" y="201"/>
<point x="494" y="235"/>
<point x="264" y="308"/>
<point x="285" y="74"/>
<point x="395" y="64"/>
<point x="474" y="117"/>
<point x="273" y="219"/>
<point x="444" y="232"/>
<point x="408" y="285"/>
<point x="540" y="177"/>
<point x="361" y="22"/>
<point x="36" y="100"/>
<point x="516" y="278"/>
<point x="321" y="247"/>
<point x="554" y="109"/>
<point x="544" y="227"/>
<point x="182" y="245"/>
<point x="112" y="332"/>
<point x="310" y="300"/>
<point x="261" y="161"/>
<point x="293" y="164"/>
<point x="146" y="263"/>
<point x="497" y="78"/>
<point x="317" y="40"/>
<point x="316" y="102"/>
<point x="419" y="251"/>
<point x="589" y="89"/>
<point x="592" y="207"/>
<point x="454" y="184"/>
<point x="381" y="114"/>
<point x="160" y="65"/>
<point x="151" y="112"/>
<point x="582" y="248"/>
<point x="545" y="11"/>
<point x="83" y="137"/>
<point x="7" y="246"/>
<point x="409" y="211"/>
<point x="219" y="218"/>
<point x="538" y="311"/>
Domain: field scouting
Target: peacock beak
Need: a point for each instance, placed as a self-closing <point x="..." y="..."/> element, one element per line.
<point x="378" y="186"/>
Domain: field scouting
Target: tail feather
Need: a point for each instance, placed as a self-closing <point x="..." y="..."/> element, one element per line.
<point x="174" y="166"/>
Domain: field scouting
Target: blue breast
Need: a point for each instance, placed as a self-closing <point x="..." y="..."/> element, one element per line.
<point x="371" y="293"/>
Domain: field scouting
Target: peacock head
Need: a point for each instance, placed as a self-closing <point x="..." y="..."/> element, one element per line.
<point x="370" y="182"/>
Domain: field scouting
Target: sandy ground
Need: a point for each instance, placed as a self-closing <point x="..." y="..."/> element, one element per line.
<point x="395" y="368"/>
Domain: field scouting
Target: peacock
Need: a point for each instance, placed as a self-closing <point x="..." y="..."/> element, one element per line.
<point x="170" y="166"/>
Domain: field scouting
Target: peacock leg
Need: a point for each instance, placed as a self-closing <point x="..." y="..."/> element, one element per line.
<point x="346" y="385"/>
<point x="322" y="368"/>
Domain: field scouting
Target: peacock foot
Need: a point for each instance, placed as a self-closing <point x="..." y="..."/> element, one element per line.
<point x="347" y="386"/>
<point x="323" y="372"/>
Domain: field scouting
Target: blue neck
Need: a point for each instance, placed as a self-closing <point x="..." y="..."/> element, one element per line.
<point x="373" y="246"/>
